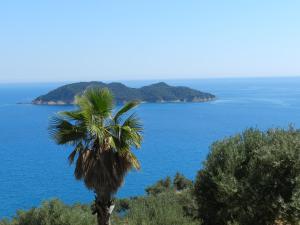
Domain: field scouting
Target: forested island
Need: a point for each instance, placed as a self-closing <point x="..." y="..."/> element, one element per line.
<point x="158" y="92"/>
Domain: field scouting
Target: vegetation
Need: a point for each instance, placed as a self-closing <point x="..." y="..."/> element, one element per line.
<point x="169" y="207"/>
<point x="166" y="208"/>
<point x="179" y="183"/>
<point x="158" y="92"/>
<point x="102" y="145"/>
<point x="53" y="213"/>
<point x="252" y="178"/>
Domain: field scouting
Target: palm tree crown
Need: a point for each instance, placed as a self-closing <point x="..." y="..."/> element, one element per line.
<point x="102" y="140"/>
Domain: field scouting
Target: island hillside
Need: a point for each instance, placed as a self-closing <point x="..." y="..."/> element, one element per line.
<point x="158" y="92"/>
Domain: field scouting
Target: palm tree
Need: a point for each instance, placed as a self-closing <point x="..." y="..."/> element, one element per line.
<point x="102" y="144"/>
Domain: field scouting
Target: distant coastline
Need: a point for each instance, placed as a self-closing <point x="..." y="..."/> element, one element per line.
<point x="154" y="93"/>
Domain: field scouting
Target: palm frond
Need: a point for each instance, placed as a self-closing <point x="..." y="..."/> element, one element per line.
<point x="98" y="132"/>
<point x="98" y="101"/>
<point x="127" y="135"/>
<point x="130" y="157"/>
<point x="77" y="149"/>
<point x="64" y="132"/>
<point x="127" y="107"/>
<point x="72" y="115"/>
<point x="134" y="161"/>
<point x="134" y="123"/>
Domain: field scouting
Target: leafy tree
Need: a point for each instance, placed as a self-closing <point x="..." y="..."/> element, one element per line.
<point x="160" y="186"/>
<point x="53" y="212"/>
<point x="251" y="178"/>
<point x="180" y="182"/>
<point x="102" y="145"/>
<point x="163" y="209"/>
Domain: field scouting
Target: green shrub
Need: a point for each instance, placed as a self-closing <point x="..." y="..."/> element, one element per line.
<point x="54" y="212"/>
<point x="166" y="208"/>
<point x="162" y="209"/>
<point x="252" y="178"/>
<point x="161" y="186"/>
<point x="179" y="183"/>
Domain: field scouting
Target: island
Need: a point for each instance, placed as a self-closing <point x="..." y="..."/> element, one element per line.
<point x="158" y="92"/>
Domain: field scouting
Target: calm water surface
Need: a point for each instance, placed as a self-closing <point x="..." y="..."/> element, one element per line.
<point x="177" y="136"/>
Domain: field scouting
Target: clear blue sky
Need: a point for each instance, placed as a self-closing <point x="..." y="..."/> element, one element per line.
<point x="72" y="40"/>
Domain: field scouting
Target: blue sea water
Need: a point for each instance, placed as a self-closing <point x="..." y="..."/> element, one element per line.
<point x="177" y="136"/>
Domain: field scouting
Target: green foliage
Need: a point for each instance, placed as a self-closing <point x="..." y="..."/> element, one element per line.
<point x="252" y="178"/>
<point x="164" y="209"/>
<point x="102" y="141"/>
<point x="160" y="186"/>
<point x="151" y="93"/>
<point x="102" y="144"/>
<point x="4" y="222"/>
<point x="169" y="207"/>
<point x="54" y="213"/>
<point x="179" y="183"/>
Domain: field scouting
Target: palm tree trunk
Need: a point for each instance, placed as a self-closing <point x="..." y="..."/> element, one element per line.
<point x="103" y="209"/>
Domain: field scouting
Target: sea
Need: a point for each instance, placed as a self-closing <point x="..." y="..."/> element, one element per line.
<point x="177" y="136"/>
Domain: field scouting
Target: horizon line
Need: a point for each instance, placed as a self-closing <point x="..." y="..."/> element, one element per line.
<point x="155" y="80"/>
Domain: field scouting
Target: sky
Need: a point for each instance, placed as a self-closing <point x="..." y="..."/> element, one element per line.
<point x="72" y="40"/>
